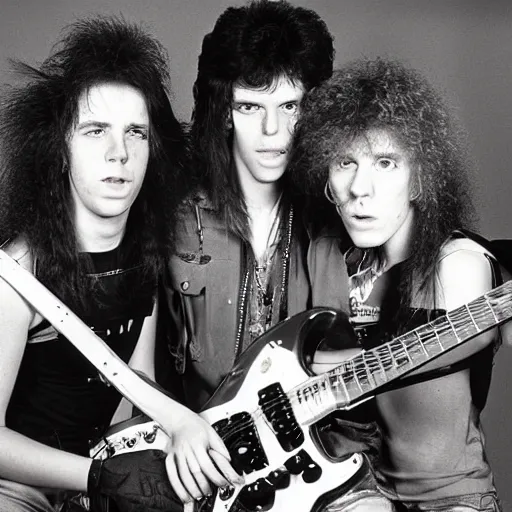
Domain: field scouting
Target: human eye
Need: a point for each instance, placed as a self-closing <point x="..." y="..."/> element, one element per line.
<point x="346" y="163"/>
<point x="386" y="164"/>
<point x="95" y="132"/>
<point x="291" y="107"/>
<point x="246" y="108"/>
<point x="138" y="133"/>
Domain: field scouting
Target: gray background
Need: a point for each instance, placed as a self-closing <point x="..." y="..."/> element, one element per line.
<point x="464" y="47"/>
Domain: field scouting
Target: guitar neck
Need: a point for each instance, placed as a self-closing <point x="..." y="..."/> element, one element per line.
<point x="357" y="379"/>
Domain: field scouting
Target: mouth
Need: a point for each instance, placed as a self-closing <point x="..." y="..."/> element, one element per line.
<point x="272" y="152"/>
<point x="113" y="180"/>
<point x="363" y="217"/>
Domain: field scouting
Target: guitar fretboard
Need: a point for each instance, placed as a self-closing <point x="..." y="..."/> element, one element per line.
<point x="357" y="378"/>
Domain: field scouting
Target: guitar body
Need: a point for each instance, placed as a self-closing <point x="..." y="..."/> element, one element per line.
<point x="263" y="427"/>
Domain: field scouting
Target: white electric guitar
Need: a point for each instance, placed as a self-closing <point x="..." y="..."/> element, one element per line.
<point x="264" y="408"/>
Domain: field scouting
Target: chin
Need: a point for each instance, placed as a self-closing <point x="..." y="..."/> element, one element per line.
<point x="365" y="240"/>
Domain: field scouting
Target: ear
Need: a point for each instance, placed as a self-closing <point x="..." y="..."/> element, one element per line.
<point x="416" y="192"/>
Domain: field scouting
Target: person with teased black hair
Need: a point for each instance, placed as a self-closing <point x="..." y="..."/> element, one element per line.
<point x="239" y="266"/>
<point x="91" y="155"/>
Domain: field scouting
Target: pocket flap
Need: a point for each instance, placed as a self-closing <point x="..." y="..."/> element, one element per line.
<point x="187" y="277"/>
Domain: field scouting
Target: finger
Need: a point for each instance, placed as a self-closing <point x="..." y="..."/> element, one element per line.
<point x="226" y="468"/>
<point x="186" y="477"/>
<point x="197" y="470"/>
<point x="319" y="368"/>
<point x="217" y="444"/>
<point x="174" y="479"/>
<point x="209" y="469"/>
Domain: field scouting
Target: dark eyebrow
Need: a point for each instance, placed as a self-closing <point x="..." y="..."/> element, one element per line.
<point x="100" y="124"/>
<point x="391" y="156"/>
<point x="244" y="101"/>
<point x="139" y="125"/>
<point x="96" y="124"/>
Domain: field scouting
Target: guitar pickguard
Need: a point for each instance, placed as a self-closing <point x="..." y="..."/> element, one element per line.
<point x="259" y="420"/>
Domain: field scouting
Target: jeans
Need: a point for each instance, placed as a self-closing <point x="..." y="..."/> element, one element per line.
<point x="16" y="497"/>
<point x="477" y="502"/>
<point x="362" y="496"/>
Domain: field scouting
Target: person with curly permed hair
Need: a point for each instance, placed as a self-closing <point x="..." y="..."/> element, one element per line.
<point x="379" y="142"/>
<point x="91" y="156"/>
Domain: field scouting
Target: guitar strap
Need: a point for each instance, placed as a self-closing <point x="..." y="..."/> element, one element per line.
<point x="116" y="372"/>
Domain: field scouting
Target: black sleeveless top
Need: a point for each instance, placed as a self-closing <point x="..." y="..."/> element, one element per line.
<point x="58" y="398"/>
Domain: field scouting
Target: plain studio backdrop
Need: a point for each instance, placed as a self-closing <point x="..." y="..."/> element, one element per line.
<point x="463" y="46"/>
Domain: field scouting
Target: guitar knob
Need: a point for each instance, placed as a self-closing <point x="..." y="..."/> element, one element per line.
<point x="226" y="492"/>
<point x="312" y="473"/>
<point x="280" y="478"/>
<point x="295" y="464"/>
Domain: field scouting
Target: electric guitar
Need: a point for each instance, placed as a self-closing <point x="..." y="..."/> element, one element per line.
<point x="265" y="406"/>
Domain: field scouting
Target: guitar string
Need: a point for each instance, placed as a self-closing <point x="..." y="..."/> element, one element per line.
<point x="369" y="357"/>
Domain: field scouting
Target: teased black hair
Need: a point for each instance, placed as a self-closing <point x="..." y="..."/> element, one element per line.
<point x="252" y="46"/>
<point x="35" y="121"/>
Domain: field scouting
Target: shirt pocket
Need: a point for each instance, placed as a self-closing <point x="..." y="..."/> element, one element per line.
<point x="189" y="281"/>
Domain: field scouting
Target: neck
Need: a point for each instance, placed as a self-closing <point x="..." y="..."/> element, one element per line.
<point x="97" y="234"/>
<point x="262" y="210"/>
<point x="397" y="248"/>
<point x="260" y="197"/>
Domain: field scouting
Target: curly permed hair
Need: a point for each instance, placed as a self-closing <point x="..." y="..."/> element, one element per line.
<point x="35" y="123"/>
<point x="251" y="46"/>
<point x="385" y="94"/>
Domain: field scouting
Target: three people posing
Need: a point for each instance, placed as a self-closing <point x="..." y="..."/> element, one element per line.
<point x="89" y="191"/>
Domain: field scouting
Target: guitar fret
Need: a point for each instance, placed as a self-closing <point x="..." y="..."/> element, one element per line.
<point x="492" y="310"/>
<point x="402" y="358"/>
<point x="480" y="313"/>
<point x="453" y="328"/>
<point x="361" y="375"/>
<point x="468" y="309"/>
<point x="417" y="332"/>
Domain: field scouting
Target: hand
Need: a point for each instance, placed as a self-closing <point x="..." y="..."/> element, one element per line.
<point x="136" y="481"/>
<point x="326" y="360"/>
<point x="197" y="457"/>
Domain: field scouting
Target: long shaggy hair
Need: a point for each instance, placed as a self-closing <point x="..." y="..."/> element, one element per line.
<point x="250" y="46"/>
<point x="385" y="94"/>
<point x="35" y="124"/>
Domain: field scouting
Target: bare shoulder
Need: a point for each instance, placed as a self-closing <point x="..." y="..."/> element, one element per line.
<point x="463" y="273"/>
<point x="19" y="250"/>
<point x="13" y="306"/>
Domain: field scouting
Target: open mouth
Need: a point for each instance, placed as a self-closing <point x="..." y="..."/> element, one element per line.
<point x="115" y="181"/>
<point x="272" y="152"/>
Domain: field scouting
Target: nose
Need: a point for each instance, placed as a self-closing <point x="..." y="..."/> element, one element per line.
<point x="270" y="122"/>
<point x="117" y="150"/>
<point x="362" y="181"/>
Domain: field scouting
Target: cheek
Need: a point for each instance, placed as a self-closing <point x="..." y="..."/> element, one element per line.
<point x="338" y="185"/>
<point x="245" y="131"/>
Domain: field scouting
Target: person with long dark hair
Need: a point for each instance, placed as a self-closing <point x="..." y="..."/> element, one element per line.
<point x="239" y="266"/>
<point x="91" y="155"/>
<point x="393" y="251"/>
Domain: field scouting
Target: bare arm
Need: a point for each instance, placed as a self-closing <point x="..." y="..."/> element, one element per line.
<point x="461" y="277"/>
<point x="21" y="458"/>
<point x="142" y="359"/>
